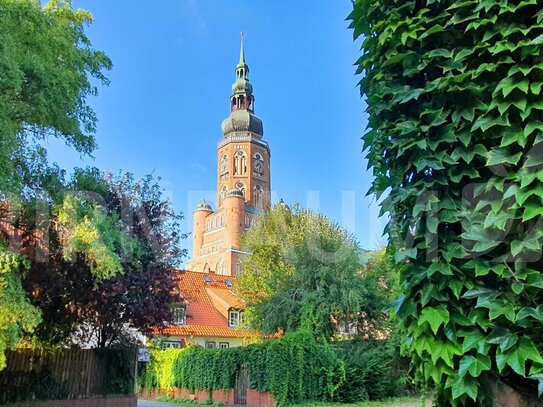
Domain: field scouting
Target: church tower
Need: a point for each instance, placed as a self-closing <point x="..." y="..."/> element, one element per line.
<point x="243" y="183"/>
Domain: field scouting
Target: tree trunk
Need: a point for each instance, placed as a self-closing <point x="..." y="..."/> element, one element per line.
<point x="506" y="396"/>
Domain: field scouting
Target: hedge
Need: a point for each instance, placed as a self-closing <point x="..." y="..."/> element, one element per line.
<point x="293" y="369"/>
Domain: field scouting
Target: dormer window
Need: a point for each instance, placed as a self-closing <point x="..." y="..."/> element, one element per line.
<point x="234" y="318"/>
<point x="179" y="314"/>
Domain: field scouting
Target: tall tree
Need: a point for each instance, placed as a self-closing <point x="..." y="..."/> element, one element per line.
<point x="113" y="243"/>
<point x="455" y="137"/>
<point x="47" y="66"/>
<point x="302" y="270"/>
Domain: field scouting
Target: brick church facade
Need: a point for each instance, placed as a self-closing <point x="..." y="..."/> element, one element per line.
<point x="210" y="314"/>
<point x="243" y="184"/>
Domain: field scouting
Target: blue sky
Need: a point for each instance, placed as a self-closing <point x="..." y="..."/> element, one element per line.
<point x="173" y="68"/>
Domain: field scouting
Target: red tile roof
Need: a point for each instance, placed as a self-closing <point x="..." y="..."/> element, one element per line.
<point x="208" y="331"/>
<point x="208" y="305"/>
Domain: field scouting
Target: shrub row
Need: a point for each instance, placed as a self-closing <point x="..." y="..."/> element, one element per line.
<point x="294" y="368"/>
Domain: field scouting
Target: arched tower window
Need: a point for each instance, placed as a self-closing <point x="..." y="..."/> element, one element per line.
<point x="223" y="168"/>
<point x="222" y="195"/>
<point x="258" y="197"/>
<point x="258" y="165"/>
<point x="241" y="187"/>
<point x="240" y="163"/>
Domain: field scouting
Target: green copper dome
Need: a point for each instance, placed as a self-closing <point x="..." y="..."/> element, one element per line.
<point x="242" y="121"/>
<point x="203" y="206"/>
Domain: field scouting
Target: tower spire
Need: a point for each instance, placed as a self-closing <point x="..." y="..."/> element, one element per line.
<point x="242" y="52"/>
<point x="242" y="103"/>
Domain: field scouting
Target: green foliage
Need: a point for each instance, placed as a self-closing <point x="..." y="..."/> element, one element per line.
<point x="31" y="386"/>
<point x="293" y="369"/>
<point x="87" y="229"/>
<point x="374" y="370"/>
<point x="119" y="370"/>
<point x="112" y="244"/>
<point x="17" y="316"/>
<point x="160" y="371"/>
<point x="302" y="270"/>
<point x="455" y="136"/>
<point x="46" y="66"/>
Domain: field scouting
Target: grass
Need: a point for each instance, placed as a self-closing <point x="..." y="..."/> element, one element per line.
<point x="396" y="402"/>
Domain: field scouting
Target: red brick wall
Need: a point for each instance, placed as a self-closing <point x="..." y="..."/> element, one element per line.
<point x="257" y="399"/>
<point x="94" y="402"/>
<point x="226" y="396"/>
<point x="202" y="395"/>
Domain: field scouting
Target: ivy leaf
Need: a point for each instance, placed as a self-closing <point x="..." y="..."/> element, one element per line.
<point x="498" y="308"/>
<point x="503" y="337"/>
<point x="517" y="287"/>
<point x="531" y="211"/>
<point x="499" y="156"/>
<point x="516" y="358"/>
<point x="456" y="287"/>
<point x="486" y="122"/>
<point x="435" y="317"/>
<point x="463" y="385"/>
<point x="474" y="365"/>
<point x="444" y="351"/>
<point x="402" y="255"/>
<point x="476" y="292"/>
<point x="486" y="245"/>
<point x="535" y="313"/>
<point x="528" y="245"/>
<point x="532" y="126"/>
<point x="472" y="340"/>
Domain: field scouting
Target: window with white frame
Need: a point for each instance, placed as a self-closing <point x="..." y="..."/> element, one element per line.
<point x="179" y="315"/>
<point x="211" y="344"/>
<point x="234" y="318"/>
<point x="224" y="345"/>
<point x="170" y="345"/>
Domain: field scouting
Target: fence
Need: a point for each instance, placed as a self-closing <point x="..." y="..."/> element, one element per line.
<point x="66" y="374"/>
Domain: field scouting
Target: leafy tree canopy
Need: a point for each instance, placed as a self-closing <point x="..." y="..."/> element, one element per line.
<point x="112" y="243"/>
<point x="302" y="270"/>
<point x="46" y="67"/>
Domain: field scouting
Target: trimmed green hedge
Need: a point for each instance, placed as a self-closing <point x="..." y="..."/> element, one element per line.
<point x="294" y="368"/>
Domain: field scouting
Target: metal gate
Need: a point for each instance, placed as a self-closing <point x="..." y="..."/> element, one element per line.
<point x="242" y="382"/>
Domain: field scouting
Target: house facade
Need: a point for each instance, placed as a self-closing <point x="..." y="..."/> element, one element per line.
<point x="210" y="315"/>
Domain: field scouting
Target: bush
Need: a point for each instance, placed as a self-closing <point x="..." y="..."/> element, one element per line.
<point x="374" y="370"/>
